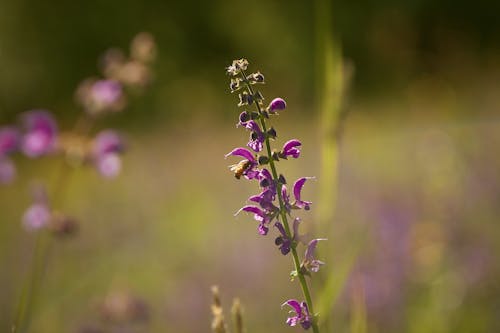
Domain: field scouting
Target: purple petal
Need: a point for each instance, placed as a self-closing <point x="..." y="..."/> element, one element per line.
<point x="9" y="140"/>
<point x="276" y="104"/>
<point x="106" y="92"/>
<point x="297" y="187"/>
<point x="290" y="144"/>
<point x="311" y="247"/>
<point x="251" y="209"/>
<point x="253" y="126"/>
<point x="36" y="217"/>
<point x="243" y="152"/>
<point x="41" y="133"/>
<point x="109" y="165"/>
<point x="281" y="229"/>
<point x="294" y="304"/>
<point x="107" y="141"/>
<point x="263" y="229"/>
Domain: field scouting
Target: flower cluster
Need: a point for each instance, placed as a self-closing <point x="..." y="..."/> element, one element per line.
<point x="40" y="215"/>
<point x="38" y="133"/>
<point x="35" y="137"/>
<point x="107" y="94"/>
<point x="273" y="205"/>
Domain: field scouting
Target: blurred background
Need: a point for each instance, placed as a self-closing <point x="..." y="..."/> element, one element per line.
<point x="396" y="104"/>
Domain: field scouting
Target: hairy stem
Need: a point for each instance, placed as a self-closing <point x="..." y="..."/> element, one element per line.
<point x="296" y="261"/>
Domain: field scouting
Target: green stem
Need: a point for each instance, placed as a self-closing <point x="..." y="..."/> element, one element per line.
<point x="43" y="244"/>
<point x="296" y="261"/>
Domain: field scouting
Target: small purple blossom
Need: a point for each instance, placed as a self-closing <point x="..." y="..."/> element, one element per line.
<point x="39" y="214"/>
<point x="245" y="167"/>
<point x="301" y="311"/>
<point x="105" y="153"/>
<point x="297" y="189"/>
<point x="310" y="263"/>
<point x="276" y="104"/>
<point x="259" y="215"/>
<point x="9" y="140"/>
<point x="41" y="133"/>
<point x="105" y="93"/>
<point x="36" y="217"/>
<point x="256" y="137"/>
<point x="283" y="241"/>
<point x="290" y="149"/>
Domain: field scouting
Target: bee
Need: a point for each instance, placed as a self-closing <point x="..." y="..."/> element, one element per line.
<point x="240" y="168"/>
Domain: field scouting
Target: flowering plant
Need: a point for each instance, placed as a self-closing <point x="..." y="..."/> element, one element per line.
<point x="273" y="205"/>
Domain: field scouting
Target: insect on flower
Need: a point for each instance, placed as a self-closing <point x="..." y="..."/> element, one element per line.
<point x="240" y="168"/>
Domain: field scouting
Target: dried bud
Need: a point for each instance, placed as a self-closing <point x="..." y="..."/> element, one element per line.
<point x="62" y="225"/>
<point x="271" y="133"/>
<point x="218" y="323"/>
<point x="237" y="313"/>
<point x="143" y="47"/>
<point x="245" y="99"/>
<point x="263" y="160"/>
<point x="256" y="78"/>
<point x="235" y="85"/>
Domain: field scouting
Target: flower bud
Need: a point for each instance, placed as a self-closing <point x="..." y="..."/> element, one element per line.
<point x="276" y="105"/>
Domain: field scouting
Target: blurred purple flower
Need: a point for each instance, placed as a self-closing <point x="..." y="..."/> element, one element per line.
<point x="106" y="148"/>
<point x="106" y="93"/>
<point x="41" y="133"/>
<point x="7" y="170"/>
<point x="301" y="316"/>
<point x="290" y="149"/>
<point x="310" y="263"/>
<point x="38" y="215"/>
<point x="276" y="104"/>
<point x="9" y="140"/>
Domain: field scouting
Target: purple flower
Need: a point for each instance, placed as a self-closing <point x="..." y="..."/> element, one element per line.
<point x="7" y="170"/>
<point x="290" y="149"/>
<point x="297" y="189"/>
<point x="245" y="167"/>
<point x="265" y="200"/>
<point x="259" y="215"/>
<point x="41" y="133"/>
<point x="276" y="104"/>
<point x="309" y="262"/>
<point x="9" y="140"/>
<point x="38" y="215"/>
<point x="283" y="241"/>
<point x="105" y="93"/>
<point x="98" y="96"/>
<point x="256" y="137"/>
<point x="106" y="148"/>
<point x="301" y="314"/>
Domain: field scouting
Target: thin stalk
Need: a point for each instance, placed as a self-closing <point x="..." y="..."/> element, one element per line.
<point x="43" y="243"/>
<point x="296" y="261"/>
